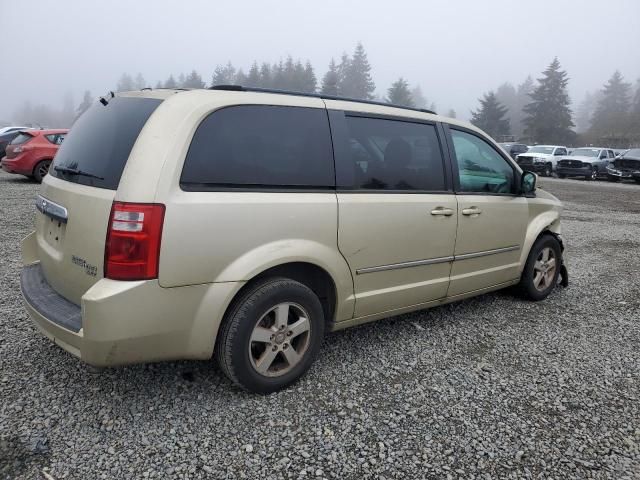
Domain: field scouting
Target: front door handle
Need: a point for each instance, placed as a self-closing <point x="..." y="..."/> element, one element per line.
<point x="471" y="211"/>
<point x="441" y="211"/>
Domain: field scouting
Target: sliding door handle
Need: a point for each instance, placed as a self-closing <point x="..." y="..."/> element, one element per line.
<point x="441" y="211"/>
<point x="471" y="211"/>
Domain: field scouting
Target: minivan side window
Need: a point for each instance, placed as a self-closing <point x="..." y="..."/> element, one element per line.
<point x="261" y="146"/>
<point x="481" y="169"/>
<point x="395" y="155"/>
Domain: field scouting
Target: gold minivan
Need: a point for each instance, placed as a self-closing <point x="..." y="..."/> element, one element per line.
<point x="244" y="223"/>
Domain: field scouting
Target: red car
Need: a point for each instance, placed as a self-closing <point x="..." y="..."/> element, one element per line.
<point x="31" y="152"/>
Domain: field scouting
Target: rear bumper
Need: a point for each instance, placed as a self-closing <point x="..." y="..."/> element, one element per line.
<point x="15" y="165"/>
<point x="122" y="323"/>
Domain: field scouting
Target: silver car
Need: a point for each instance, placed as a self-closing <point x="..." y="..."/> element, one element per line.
<point x="587" y="162"/>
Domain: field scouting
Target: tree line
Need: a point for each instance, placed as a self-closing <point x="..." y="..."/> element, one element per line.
<point x="541" y="112"/>
<point x="532" y="112"/>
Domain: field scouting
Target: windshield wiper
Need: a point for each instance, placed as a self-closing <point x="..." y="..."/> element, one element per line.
<point x="75" y="171"/>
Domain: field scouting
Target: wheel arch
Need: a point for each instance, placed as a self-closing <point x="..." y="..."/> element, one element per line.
<point x="545" y="223"/>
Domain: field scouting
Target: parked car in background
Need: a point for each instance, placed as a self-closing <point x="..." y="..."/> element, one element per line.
<point x="514" y="149"/>
<point x="587" y="162"/>
<point x="30" y="153"/>
<point x="6" y="138"/>
<point x="625" y="166"/>
<point x="12" y="129"/>
<point x="541" y="158"/>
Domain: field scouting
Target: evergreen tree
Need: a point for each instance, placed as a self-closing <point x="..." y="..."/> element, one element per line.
<point x="585" y="111"/>
<point x="159" y="84"/>
<point x="278" y="75"/>
<point x="241" y="78"/>
<point x="224" y="75"/>
<point x="125" y="84"/>
<point x="417" y="97"/>
<point x="490" y="117"/>
<point x="181" y="80"/>
<point x="357" y="81"/>
<point x="310" y="82"/>
<point x="87" y="100"/>
<point x="140" y="82"/>
<point x="266" y="80"/>
<point x="611" y="118"/>
<point x="548" y="116"/>
<point x="517" y="115"/>
<point x="330" y="80"/>
<point x="399" y="93"/>
<point x="170" y="82"/>
<point x="451" y="113"/>
<point x="635" y="115"/>
<point x="253" y="78"/>
<point x="193" y="80"/>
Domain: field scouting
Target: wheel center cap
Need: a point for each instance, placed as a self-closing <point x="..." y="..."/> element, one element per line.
<point x="280" y="336"/>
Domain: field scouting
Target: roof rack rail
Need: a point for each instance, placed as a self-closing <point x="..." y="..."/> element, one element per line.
<point x="241" y="88"/>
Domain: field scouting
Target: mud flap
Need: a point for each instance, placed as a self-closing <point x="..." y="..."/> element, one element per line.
<point x="564" y="275"/>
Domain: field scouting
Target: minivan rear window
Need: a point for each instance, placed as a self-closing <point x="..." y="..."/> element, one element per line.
<point x="261" y="146"/>
<point x="101" y="140"/>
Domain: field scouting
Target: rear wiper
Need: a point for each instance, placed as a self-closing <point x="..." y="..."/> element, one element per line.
<point x="75" y="171"/>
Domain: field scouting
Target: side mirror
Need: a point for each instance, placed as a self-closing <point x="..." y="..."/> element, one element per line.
<point x="528" y="182"/>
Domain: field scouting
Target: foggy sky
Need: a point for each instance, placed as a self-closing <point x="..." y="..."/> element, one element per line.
<point x="455" y="50"/>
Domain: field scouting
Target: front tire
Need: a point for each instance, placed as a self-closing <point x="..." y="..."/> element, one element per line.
<point x="542" y="269"/>
<point x="594" y="174"/>
<point x="270" y="335"/>
<point x="548" y="170"/>
<point x="562" y="175"/>
<point x="41" y="169"/>
<point x="613" y="179"/>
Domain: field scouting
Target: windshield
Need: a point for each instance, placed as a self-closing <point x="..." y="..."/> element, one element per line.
<point x="101" y="140"/>
<point x="541" y="149"/>
<point x="585" y="152"/>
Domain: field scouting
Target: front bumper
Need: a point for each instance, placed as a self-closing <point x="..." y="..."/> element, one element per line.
<point x="574" y="171"/>
<point x="623" y="174"/>
<point x="122" y="323"/>
<point x="535" y="167"/>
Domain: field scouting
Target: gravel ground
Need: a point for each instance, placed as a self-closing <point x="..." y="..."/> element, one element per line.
<point x="493" y="387"/>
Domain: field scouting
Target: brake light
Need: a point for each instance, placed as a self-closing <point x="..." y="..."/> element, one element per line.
<point x="132" y="250"/>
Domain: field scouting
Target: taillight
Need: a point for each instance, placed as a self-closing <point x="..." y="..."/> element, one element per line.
<point x="132" y="251"/>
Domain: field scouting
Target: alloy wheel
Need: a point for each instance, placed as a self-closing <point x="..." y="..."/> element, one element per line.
<point x="280" y="339"/>
<point x="544" y="270"/>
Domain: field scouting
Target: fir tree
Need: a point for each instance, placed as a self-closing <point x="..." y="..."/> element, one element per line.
<point x="87" y="100"/>
<point x="399" y="93"/>
<point x="125" y="84"/>
<point x="357" y="81"/>
<point x="140" y="82"/>
<point x="548" y="116"/>
<point x="193" y="80"/>
<point x="330" y="80"/>
<point x="170" y="82"/>
<point x="611" y="116"/>
<point x="253" y="78"/>
<point x="490" y="117"/>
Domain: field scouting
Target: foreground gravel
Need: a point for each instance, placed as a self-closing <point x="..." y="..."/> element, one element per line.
<point x="493" y="387"/>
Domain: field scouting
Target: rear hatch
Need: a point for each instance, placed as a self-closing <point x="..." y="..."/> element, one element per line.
<point x="76" y="197"/>
<point x="17" y="145"/>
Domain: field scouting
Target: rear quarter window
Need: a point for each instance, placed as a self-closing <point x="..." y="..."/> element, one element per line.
<point x="21" y="138"/>
<point x="260" y="146"/>
<point x="101" y="141"/>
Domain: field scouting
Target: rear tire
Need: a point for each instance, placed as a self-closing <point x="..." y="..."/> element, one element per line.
<point x="542" y="269"/>
<point x="637" y="180"/>
<point x="270" y="335"/>
<point x="41" y="169"/>
<point x="613" y="179"/>
<point x="562" y="175"/>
